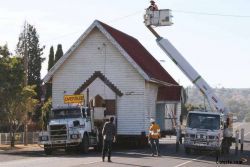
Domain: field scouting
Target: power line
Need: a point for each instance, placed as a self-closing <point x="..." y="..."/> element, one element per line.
<point x="126" y="16"/>
<point x="211" y="14"/>
<point x="140" y="11"/>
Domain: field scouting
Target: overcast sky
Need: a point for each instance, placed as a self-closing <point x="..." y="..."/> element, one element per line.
<point x="213" y="35"/>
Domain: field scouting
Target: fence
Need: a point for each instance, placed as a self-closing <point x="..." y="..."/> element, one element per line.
<point x="19" y="138"/>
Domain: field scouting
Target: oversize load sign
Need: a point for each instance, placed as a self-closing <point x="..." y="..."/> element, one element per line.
<point x="73" y="99"/>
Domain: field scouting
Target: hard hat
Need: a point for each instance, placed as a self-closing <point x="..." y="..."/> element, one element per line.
<point x="152" y="1"/>
<point x="152" y="120"/>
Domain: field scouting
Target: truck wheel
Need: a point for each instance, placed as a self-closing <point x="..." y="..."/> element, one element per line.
<point x="187" y="150"/>
<point x="47" y="150"/>
<point x="84" y="146"/>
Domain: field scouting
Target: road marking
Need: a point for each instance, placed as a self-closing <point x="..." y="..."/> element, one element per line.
<point x="240" y="124"/>
<point x="88" y="163"/>
<point x="247" y="133"/>
<point x="184" y="163"/>
<point x="134" y="153"/>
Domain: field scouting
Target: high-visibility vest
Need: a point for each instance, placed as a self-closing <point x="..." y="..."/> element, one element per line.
<point x="154" y="131"/>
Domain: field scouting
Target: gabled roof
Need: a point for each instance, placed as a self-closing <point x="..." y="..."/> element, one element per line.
<point x="98" y="74"/>
<point x="130" y="48"/>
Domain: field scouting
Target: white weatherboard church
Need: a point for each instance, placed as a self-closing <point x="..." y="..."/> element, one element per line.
<point x="121" y="77"/>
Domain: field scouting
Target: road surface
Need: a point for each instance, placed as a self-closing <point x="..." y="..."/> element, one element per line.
<point x="35" y="157"/>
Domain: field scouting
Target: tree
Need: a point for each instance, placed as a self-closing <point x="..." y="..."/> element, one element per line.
<point x="59" y="52"/>
<point x="51" y="58"/>
<point x="16" y="101"/>
<point x="45" y="113"/>
<point x="29" y="49"/>
<point x="4" y="51"/>
<point x="50" y="65"/>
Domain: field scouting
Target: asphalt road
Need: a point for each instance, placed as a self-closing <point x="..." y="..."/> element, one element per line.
<point x="35" y="157"/>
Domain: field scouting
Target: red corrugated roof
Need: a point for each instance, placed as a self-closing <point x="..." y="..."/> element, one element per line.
<point x="169" y="93"/>
<point x="140" y="55"/>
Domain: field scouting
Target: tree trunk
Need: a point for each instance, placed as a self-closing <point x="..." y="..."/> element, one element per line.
<point x="26" y="133"/>
<point x="12" y="139"/>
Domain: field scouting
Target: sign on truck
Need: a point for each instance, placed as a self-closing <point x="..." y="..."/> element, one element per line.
<point x="73" y="99"/>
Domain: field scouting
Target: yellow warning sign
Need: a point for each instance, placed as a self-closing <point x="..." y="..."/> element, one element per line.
<point x="73" y="99"/>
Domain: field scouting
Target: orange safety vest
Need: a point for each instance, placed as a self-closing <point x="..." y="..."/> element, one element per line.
<point x="154" y="131"/>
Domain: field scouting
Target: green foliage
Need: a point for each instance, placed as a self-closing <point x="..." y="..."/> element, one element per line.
<point x="237" y="101"/>
<point x="51" y="58"/>
<point x="45" y="113"/>
<point x="16" y="101"/>
<point x="50" y="65"/>
<point x="4" y="51"/>
<point x="59" y="52"/>
<point x="29" y="49"/>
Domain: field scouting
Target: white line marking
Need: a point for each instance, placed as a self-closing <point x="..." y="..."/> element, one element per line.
<point x="239" y="125"/>
<point x="184" y="163"/>
<point x="88" y="163"/>
<point x="247" y="133"/>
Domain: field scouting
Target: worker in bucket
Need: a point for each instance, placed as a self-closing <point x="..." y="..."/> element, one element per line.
<point x="152" y="6"/>
<point x="108" y="133"/>
<point x="154" y="135"/>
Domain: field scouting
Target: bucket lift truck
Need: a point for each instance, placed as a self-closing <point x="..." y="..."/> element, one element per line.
<point x="210" y="130"/>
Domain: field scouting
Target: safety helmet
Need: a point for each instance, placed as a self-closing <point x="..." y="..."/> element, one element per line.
<point x="152" y="120"/>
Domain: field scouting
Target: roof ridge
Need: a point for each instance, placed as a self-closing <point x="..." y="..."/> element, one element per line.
<point x="106" y="25"/>
<point x="130" y="47"/>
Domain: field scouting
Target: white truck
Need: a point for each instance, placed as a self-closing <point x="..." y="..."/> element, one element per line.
<point x="210" y="130"/>
<point x="70" y="127"/>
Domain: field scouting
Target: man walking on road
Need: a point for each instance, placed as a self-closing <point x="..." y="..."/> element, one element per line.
<point x="154" y="135"/>
<point x="108" y="133"/>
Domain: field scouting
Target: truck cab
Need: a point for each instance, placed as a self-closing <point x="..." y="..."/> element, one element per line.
<point x="205" y="131"/>
<point x="69" y="127"/>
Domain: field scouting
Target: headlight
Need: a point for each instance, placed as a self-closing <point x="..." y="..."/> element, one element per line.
<point x="44" y="138"/>
<point x="74" y="136"/>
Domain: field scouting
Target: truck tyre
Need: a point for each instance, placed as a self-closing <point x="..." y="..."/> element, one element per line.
<point x="47" y="150"/>
<point x="187" y="150"/>
<point x="84" y="146"/>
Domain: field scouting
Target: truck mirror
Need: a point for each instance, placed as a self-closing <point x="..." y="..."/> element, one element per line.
<point x="84" y="114"/>
<point x="221" y="126"/>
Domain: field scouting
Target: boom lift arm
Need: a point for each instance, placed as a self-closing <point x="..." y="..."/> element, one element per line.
<point x="163" y="18"/>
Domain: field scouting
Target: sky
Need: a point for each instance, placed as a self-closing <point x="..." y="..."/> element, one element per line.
<point x="213" y="35"/>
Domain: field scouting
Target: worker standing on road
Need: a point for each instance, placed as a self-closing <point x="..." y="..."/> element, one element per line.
<point x="152" y="6"/>
<point x="108" y="133"/>
<point x="154" y="135"/>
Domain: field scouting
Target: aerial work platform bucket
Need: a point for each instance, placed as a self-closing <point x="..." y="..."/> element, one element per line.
<point x="157" y="18"/>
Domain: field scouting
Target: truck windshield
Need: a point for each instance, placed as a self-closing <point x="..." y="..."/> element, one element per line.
<point x="203" y="121"/>
<point x="66" y="113"/>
